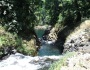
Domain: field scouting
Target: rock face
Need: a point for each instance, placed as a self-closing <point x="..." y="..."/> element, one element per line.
<point x="58" y="34"/>
<point x="78" y="62"/>
<point x="79" y="40"/>
<point x="52" y="35"/>
<point x="70" y="39"/>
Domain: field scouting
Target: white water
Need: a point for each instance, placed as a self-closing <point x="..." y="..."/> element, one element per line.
<point x="47" y="55"/>
<point x="21" y="62"/>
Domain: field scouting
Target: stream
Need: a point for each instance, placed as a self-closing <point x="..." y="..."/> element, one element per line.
<point x="46" y="56"/>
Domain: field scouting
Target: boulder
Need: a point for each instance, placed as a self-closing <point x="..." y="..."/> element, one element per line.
<point x="79" y="39"/>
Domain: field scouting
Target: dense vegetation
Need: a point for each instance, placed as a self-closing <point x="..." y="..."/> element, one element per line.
<point x="20" y="16"/>
<point x="23" y="15"/>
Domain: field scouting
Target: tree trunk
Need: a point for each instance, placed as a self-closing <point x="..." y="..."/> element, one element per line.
<point x="78" y="18"/>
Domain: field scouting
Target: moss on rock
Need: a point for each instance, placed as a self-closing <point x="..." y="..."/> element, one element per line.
<point x="6" y="40"/>
<point x="24" y="46"/>
<point x="28" y="47"/>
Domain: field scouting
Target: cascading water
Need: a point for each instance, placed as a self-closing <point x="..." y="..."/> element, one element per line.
<point x="21" y="62"/>
<point x="46" y="56"/>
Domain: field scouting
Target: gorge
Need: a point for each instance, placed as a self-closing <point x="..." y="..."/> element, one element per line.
<point x="47" y="54"/>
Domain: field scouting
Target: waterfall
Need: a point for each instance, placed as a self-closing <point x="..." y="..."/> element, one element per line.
<point x="47" y="54"/>
<point x="21" y="62"/>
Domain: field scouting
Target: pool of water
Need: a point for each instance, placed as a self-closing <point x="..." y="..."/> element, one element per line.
<point x="39" y="32"/>
<point x="46" y="49"/>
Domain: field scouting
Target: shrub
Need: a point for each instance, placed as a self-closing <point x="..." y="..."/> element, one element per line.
<point x="8" y="39"/>
<point x="27" y="47"/>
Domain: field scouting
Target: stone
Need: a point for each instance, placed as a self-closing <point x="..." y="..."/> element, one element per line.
<point x="78" y="62"/>
<point x="79" y="40"/>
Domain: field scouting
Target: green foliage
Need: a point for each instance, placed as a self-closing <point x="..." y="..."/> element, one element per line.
<point x="20" y="16"/>
<point x="26" y="48"/>
<point x="28" y="13"/>
<point x="8" y="39"/>
<point x="17" y="15"/>
<point x="57" y="65"/>
<point x="70" y="11"/>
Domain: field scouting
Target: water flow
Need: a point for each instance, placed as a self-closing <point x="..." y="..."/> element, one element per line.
<point x="47" y="47"/>
<point x="21" y="62"/>
<point x="48" y="50"/>
<point x="39" y="32"/>
<point x="47" y="55"/>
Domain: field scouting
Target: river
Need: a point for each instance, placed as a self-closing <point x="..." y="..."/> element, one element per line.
<point x="46" y="56"/>
<point x="47" y="47"/>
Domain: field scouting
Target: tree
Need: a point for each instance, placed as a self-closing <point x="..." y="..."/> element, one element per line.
<point x="23" y="15"/>
<point x="69" y="11"/>
<point x="19" y="15"/>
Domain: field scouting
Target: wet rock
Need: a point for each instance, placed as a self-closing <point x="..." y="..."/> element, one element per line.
<point x="7" y="51"/>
